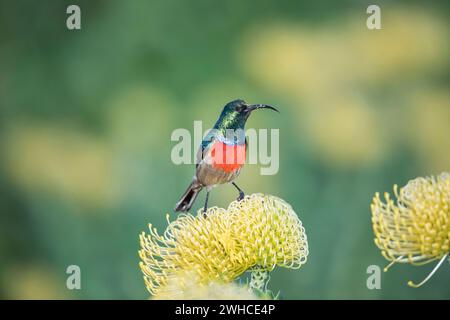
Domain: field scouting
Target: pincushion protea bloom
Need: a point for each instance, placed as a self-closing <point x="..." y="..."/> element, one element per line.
<point x="415" y="228"/>
<point x="186" y="286"/>
<point x="260" y="230"/>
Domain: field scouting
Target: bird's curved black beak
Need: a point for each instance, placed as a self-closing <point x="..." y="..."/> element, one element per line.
<point x="252" y="107"/>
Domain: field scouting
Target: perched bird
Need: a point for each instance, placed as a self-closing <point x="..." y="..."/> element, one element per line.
<point x="221" y="154"/>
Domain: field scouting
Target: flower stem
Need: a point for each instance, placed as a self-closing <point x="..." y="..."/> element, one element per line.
<point x="259" y="280"/>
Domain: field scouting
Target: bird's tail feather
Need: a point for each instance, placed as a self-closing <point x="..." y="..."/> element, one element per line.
<point x="188" y="198"/>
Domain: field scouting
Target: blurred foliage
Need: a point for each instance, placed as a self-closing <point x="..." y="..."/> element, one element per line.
<point x="86" y="118"/>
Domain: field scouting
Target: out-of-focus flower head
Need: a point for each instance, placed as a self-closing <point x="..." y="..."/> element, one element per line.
<point x="259" y="230"/>
<point x="353" y="124"/>
<point x="31" y="281"/>
<point x="186" y="286"/>
<point x="60" y="161"/>
<point x="414" y="228"/>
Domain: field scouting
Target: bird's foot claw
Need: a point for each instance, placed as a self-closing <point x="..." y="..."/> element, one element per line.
<point x="241" y="196"/>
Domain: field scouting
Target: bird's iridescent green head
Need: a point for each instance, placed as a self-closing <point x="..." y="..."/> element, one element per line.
<point x="236" y="113"/>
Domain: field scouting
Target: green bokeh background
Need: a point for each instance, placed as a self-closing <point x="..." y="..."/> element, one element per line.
<point x="86" y="118"/>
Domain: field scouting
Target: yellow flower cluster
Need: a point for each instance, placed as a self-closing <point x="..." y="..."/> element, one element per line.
<point x="260" y="230"/>
<point x="415" y="228"/>
<point x="186" y="286"/>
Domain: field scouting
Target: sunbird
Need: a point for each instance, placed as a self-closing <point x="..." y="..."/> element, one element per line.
<point x="222" y="152"/>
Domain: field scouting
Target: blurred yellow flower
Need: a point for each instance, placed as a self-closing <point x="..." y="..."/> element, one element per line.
<point x="185" y="286"/>
<point x="415" y="228"/>
<point x="342" y="80"/>
<point x="306" y="61"/>
<point x="31" y="281"/>
<point x="60" y="161"/>
<point x="260" y="230"/>
<point x="348" y="132"/>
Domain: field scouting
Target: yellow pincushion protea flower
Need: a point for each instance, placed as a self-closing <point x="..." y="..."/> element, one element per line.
<point x="186" y="286"/>
<point x="259" y="231"/>
<point x="415" y="228"/>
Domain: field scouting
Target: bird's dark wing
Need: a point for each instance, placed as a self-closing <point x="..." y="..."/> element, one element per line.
<point x="204" y="146"/>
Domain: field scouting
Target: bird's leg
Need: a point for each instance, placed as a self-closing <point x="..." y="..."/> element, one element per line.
<point x="241" y="193"/>
<point x="206" y="204"/>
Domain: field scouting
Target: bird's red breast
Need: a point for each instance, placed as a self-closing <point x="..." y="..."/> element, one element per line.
<point x="227" y="157"/>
